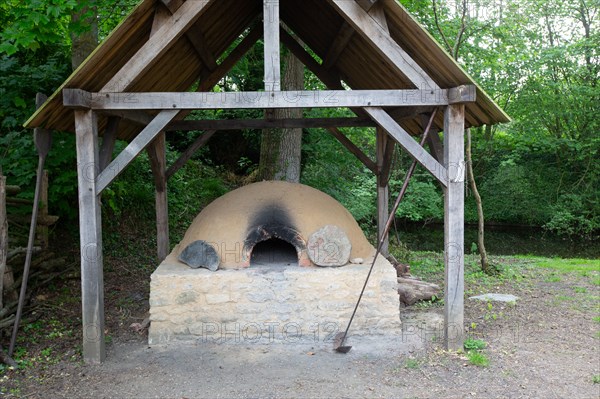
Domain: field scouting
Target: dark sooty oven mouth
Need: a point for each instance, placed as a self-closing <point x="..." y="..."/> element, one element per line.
<point x="281" y="240"/>
<point x="274" y="252"/>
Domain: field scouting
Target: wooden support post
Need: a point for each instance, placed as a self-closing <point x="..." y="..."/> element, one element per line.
<point x="383" y="192"/>
<point x="157" y="153"/>
<point x="3" y="236"/>
<point x="90" y="230"/>
<point x="454" y="125"/>
<point x="272" y="47"/>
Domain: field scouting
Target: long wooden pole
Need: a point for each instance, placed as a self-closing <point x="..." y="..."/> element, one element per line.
<point x="341" y="337"/>
<point x="43" y="142"/>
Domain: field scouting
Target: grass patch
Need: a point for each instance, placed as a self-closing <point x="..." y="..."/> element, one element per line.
<point x="412" y="364"/>
<point x="597" y="319"/>
<point x="565" y="298"/>
<point x="580" y="290"/>
<point x="478" y="359"/>
<point x="569" y="265"/>
<point x="596" y="379"/>
<point x="474" y="344"/>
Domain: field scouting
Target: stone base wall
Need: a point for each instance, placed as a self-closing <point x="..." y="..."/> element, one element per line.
<point x="271" y="304"/>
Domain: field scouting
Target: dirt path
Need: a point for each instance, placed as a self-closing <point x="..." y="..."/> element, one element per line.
<point x="545" y="346"/>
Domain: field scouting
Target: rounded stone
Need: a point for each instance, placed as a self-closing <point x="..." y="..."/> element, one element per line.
<point x="329" y="247"/>
<point x="200" y="254"/>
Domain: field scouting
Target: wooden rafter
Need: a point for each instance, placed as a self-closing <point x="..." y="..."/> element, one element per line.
<point x="383" y="43"/>
<point x="195" y="36"/>
<point x="346" y="32"/>
<point x="331" y="79"/>
<point x="157" y="45"/>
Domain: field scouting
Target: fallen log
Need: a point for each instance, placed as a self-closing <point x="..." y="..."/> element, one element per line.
<point x="21" y="251"/>
<point x="412" y="290"/>
<point x="13" y="190"/>
<point x="18" y="201"/>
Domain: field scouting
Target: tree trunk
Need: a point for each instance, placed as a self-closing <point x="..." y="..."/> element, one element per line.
<point x="485" y="266"/>
<point x="3" y="236"/>
<point x="280" y="148"/>
<point x="85" y="42"/>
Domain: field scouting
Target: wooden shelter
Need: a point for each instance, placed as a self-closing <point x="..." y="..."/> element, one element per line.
<point x="371" y="54"/>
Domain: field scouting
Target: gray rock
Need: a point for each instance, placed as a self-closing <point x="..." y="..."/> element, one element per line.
<point x="329" y="247"/>
<point x="200" y="254"/>
<point x="496" y="298"/>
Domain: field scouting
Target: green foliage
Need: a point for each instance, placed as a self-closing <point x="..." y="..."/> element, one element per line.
<point x="478" y="359"/>
<point x="412" y="364"/>
<point x="474" y="344"/>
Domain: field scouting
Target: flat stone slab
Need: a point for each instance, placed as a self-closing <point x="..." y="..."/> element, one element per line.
<point x="200" y="254"/>
<point x="329" y="247"/>
<point x="496" y="298"/>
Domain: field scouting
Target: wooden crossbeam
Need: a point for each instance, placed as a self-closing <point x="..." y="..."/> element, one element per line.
<point x="409" y="144"/>
<point x="383" y="43"/>
<point x="157" y="45"/>
<point x="195" y="37"/>
<point x="76" y="98"/>
<point x="136" y="146"/>
<point x="292" y="123"/>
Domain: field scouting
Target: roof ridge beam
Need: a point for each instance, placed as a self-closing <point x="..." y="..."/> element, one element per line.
<point x="385" y="45"/>
<point x="157" y="45"/>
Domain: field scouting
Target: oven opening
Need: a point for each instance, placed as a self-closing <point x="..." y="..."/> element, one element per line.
<point x="274" y="252"/>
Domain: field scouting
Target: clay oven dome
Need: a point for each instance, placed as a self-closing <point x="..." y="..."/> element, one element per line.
<point x="238" y="221"/>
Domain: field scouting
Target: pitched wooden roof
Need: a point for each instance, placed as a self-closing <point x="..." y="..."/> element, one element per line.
<point x="210" y="33"/>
